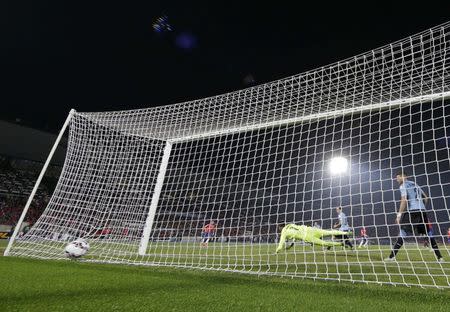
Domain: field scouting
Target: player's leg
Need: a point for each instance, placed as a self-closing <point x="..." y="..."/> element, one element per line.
<point x="405" y="227"/>
<point x="347" y="241"/>
<point x="404" y="230"/>
<point x="435" y="246"/>
<point x="398" y="244"/>
<point x="421" y="228"/>
<point x="426" y="242"/>
<point x="314" y="236"/>
<point x="202" y="239"/>
<point x="207" y="238"/>
<point x="363" y="242"/>
<point x="366" y="241"/>
<point x="430" y="234"/>
<point x="320" y="242"/>
<point x="339" y="238"/>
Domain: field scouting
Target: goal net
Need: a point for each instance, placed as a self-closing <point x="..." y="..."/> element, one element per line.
<point x="144" y="186"/>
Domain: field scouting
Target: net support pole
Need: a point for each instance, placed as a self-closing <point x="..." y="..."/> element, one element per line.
<point x="38" y="182"/>
<point x="155" y="199"/>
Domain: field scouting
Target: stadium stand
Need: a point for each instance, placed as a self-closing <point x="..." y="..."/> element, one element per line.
<point x="23" y="152"/>
<point x="17" y="178"/>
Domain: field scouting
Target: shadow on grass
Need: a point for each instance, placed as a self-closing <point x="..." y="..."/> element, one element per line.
<point x="63" y="280"/>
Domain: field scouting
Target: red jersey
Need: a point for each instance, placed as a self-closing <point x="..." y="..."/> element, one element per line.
<point x="209" y="228"/>
<point x="448" y="233"/>
<point x="106" y="231"/>
<point x="363" y="232"/>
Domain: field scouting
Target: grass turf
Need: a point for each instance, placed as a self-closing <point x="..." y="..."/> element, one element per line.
<point x="34" y="285"/>
<point x="414" y="266"/>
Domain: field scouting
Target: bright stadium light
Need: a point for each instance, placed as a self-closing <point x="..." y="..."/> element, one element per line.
<point x="338" y="165"/>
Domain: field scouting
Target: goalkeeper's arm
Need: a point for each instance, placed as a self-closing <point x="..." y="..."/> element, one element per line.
<point x="282" y="243"/>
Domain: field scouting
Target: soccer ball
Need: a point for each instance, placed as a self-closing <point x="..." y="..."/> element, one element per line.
<point x="77" y="248"/>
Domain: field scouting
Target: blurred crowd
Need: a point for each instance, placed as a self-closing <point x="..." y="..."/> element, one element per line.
<point x="11" y="208"/>
<point x="17" y="178"/>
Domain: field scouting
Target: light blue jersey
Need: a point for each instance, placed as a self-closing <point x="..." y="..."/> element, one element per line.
<point x="413" y="194"/>
<point x="343" y="221"/>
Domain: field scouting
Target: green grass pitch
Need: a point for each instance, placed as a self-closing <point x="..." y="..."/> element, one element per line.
<point x="35" y="285"/>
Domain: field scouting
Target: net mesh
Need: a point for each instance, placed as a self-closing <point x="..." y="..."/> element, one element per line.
<point x="141" y="185"/>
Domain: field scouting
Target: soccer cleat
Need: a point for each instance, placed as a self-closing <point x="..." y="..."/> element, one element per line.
<point x="441" y="260"/>
<point x="389" y="259"/>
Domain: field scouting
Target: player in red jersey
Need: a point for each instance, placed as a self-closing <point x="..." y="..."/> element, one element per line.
<point x="363" y="237"/>
<point x="208" y="232"/>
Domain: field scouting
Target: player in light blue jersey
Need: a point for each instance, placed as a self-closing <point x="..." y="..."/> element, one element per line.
<point x="413" y="194"/>
<point x="342" y="225"/>
<point x="412" y="216"/>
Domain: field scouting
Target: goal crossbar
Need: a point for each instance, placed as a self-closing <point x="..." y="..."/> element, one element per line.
<point x="318" y="116"/>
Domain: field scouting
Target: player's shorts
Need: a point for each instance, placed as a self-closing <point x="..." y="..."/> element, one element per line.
<point x="414" y="223"/>
<point x="341" y="236"/>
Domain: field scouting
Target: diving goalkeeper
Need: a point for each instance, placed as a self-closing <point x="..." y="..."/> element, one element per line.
<point x="307" y="234"/>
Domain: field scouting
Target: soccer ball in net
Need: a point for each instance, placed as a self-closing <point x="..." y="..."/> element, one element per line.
<point x="77" y="248"/>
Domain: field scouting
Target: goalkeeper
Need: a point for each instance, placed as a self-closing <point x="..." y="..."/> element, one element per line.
<point x="307" y="234"/>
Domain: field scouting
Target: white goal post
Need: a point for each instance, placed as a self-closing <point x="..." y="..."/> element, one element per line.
<point x="211" y="183"/>
<point x="155" y="199"/>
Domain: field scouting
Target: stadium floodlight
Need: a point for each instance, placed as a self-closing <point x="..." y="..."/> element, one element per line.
<point x="338" y="165"/>
<point x="144" y="186"/>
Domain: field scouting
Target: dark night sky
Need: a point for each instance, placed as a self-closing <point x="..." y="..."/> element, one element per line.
<point x="66" y="54"/>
